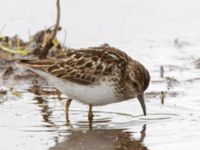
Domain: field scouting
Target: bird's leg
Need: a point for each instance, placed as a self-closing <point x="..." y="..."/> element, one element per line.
<point x="69" y="100"/>
<point x="90" y="113"/>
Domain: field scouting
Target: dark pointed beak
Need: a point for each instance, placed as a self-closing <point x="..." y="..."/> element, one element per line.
<point x="142" y="103"/>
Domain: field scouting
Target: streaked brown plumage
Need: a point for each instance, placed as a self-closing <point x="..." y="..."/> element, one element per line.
<point x="93" y="66"/>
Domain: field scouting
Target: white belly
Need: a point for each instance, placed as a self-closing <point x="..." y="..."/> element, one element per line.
<point x="95" y="95"/>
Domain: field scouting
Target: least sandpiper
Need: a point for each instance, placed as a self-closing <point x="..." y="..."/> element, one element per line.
<point x="94" y="76"/>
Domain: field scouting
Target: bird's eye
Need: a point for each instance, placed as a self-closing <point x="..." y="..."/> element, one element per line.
<point x="135" y="84"/>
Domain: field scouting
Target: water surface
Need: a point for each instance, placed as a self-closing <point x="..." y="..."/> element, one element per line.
<point x="154" y="32"/>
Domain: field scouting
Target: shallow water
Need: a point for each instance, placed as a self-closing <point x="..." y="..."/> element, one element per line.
<point x="155" y="33"/>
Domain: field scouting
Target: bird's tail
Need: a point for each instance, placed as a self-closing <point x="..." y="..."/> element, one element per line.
<point x="35" y="64"/>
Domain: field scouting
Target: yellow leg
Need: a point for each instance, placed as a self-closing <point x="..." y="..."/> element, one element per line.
<point x="67" y="108"/>
<point x="90" y="113"/>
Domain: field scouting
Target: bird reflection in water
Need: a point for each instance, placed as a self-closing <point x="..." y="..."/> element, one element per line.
<point x="101" y="139"/>
<point x="46" y="111"/>
<point x="43" y="104"/>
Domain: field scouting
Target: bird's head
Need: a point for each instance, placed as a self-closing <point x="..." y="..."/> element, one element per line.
<point x="140" y="78"/>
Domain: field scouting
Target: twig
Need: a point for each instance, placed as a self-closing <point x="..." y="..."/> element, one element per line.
<point x="49" y="44"/>
<point x="29" y="35"/>
<point x="4" y="26"/>
<point x="65" y="38"/>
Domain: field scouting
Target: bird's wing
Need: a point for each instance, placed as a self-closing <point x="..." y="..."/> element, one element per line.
<point x="84" y="66"/>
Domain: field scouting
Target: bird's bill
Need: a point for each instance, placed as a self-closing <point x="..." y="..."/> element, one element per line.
<point x="142" y="103"/>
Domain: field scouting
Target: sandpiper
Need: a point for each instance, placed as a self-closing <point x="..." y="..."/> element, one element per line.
<point x="94" y="76"/>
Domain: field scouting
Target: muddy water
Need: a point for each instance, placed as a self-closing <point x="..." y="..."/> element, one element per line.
<point x="155" y="32"/>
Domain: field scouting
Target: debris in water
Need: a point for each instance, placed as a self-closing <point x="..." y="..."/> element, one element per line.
<point x="162" y="97"/>
<point x="197" y="64"/>
<point x="161" y="71"/>
<point x="179" y="43"/>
